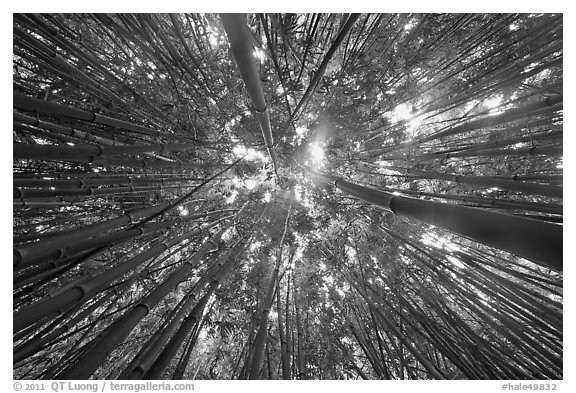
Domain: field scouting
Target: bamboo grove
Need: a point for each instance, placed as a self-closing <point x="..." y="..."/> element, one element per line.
<point x="287" y="196"/>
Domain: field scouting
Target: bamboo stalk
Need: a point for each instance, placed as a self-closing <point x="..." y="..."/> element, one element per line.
<point x="30" y="104"/>
<point x="240" y="41"/>
<point x="537" y="241"/>
<point x="85" y="366"/>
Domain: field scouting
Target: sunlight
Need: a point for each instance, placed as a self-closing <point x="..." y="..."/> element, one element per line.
<point x="317" y="153"/>
<point x="298" y="192"/>
<point x="341" y="290"/>
<point x="483" y="298"/>
<point x="492" y="103"/>
<point x="531" y="66"/>
<point x="255" y="245"/>
<point x="408" y="26"/>
<point x="183" y="211"/>
<point x="350" y="252"/>
<point x="428" y="239"/>
<point x="251" y="183"/>
<point x="441" y="242"/>
<point x="403" y="113"/>
<point x="300" y="134"/>
<point x="397" y="246"/>
<point x="301" y="131"/>
<point x="306" y="200"/>
<point x="455" y="261"/>
<point x="212" y="38"/>
<point x="297" y="254"/>
<point x="260" y="54"/>
<point x="470" y="105"/>
<point x="226" y="236"/>
<point x="249" y="154"/>
<point x="231" y="123"/>
<point x="414" y="123"/>
<point x="232" y="197"/>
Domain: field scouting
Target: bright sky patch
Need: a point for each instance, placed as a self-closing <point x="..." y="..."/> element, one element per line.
<point x="249" y="154"/>
<point x="316" y="153"/>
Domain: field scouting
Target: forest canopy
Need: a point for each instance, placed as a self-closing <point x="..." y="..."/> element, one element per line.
<point x="287" y="196"/>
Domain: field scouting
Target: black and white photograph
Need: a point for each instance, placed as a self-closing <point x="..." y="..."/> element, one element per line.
<point x="316" y="196"/>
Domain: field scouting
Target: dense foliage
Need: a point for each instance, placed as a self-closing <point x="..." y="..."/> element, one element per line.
<point x="288" y="196"/>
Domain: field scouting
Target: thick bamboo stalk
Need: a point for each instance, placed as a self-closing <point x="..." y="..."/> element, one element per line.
<point x="95" y="242"/>
<point x="85" y="366"/>
<point x="83" y="289"/>
<point x="538" y="241"/>
<point x="288" y="333"/>
<point x="259" y="341"/>
<point x="159" y="338"/>
<point x="155" y="363"/>
<point x="487" y="181"/>
<point x="35" y="344"/>
<point x="525" y="151"/>
<point x="130" y="149"/>
<point x="301" y="362"/>
<point x="72" y="353"/>
<point x="551" y="208"/>
<point x="89" y="182"/>
<point x="185" y="359"/>
<point x="240" y="41"/>
<point x="31" y="104"/>
<point x="456" y="288"/>
<point x="155" y="370"/>
<point x="282" y="334"/>
<point x="83" y="154"/>
<point x="30" y="254"/>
